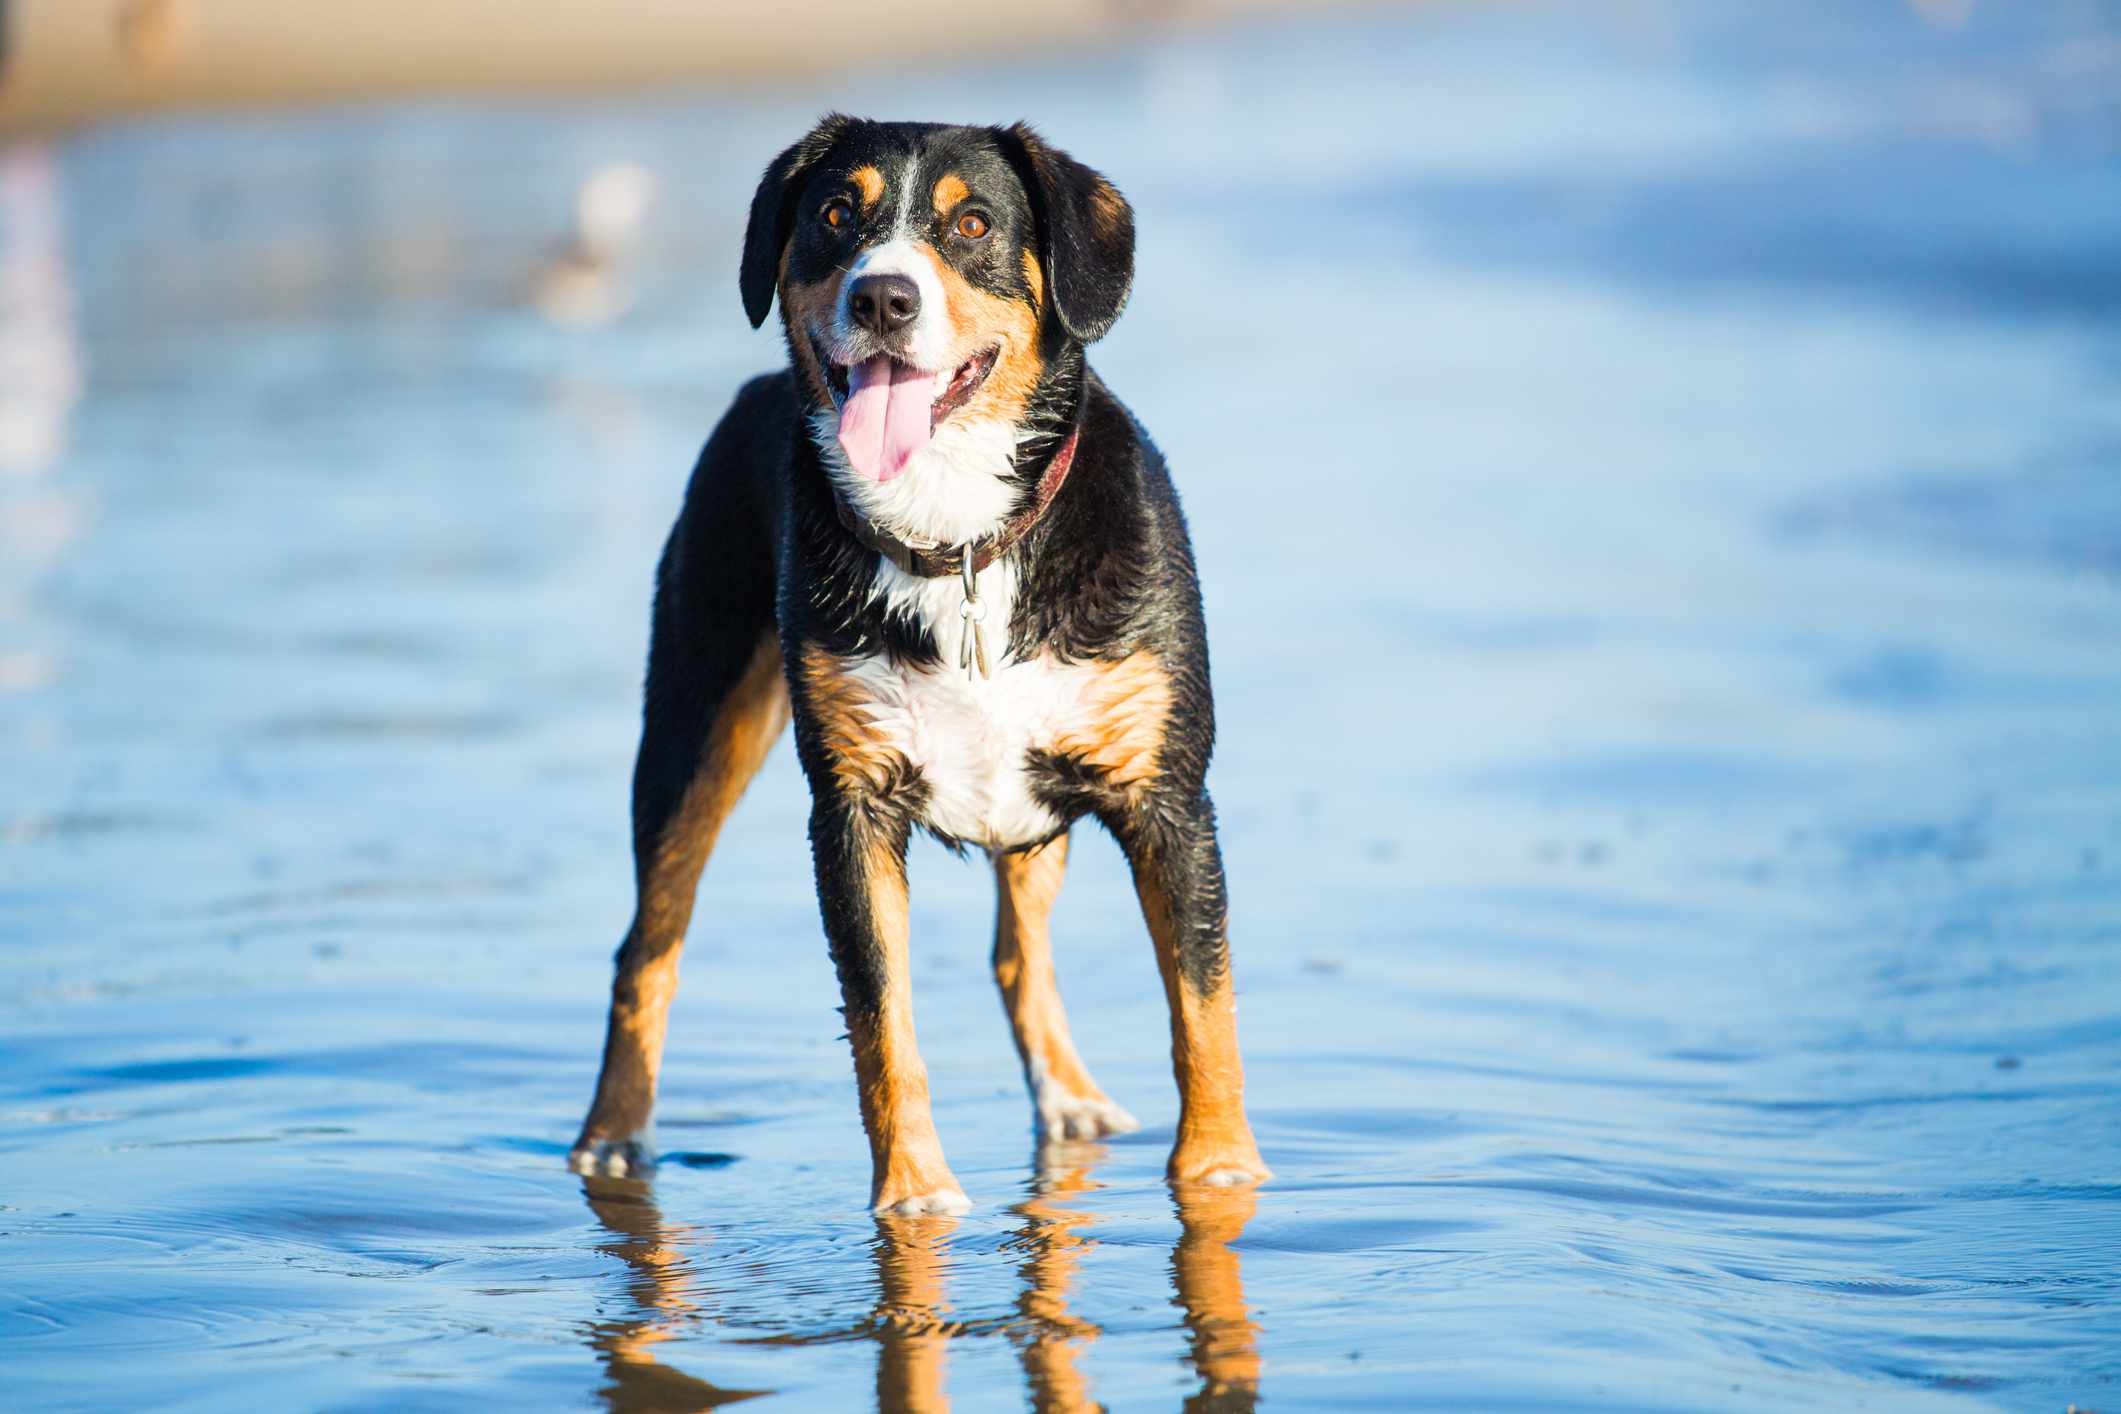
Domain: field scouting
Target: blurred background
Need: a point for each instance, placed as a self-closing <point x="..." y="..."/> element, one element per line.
<point x="1656" y="469"/>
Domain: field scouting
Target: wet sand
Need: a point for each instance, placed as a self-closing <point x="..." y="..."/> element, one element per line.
<point x="1657" y="500"/>
<point x="76" y="61"/>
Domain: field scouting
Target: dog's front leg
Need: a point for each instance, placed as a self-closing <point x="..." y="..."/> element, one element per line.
<point x="1178" y="872"/>
<point x="861" y="881"/>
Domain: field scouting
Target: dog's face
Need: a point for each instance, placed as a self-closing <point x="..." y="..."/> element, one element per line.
<point x="928" y="276"/>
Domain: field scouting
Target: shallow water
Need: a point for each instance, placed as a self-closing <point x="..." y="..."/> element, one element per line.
<point x="1658" y="483"/>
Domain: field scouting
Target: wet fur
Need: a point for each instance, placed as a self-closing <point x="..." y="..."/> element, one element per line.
<point x="1099" y="631"/>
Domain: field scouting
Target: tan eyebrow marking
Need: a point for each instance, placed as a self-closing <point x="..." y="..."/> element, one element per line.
<point x="871" y="182"/>
<point x="949" y="191"/>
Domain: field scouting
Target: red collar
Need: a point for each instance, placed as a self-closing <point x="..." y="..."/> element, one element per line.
<point x="932" y="561"/>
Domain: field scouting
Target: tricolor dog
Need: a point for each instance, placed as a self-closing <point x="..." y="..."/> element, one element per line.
<point x="941" y="546"/>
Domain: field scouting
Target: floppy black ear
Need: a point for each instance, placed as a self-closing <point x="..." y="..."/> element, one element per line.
<point x="773" y="213"/>
<point x="1085" y="232"/>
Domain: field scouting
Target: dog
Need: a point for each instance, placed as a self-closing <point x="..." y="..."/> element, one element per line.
<point x="942" y="546"/>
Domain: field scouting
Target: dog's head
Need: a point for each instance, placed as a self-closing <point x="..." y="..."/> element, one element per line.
<point x="931" y="277"/>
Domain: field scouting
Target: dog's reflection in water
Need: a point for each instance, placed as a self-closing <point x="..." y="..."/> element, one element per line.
<point x="1048" y="1335"/>
<point x="912" y="1323"/>
<point x="659" y="1256"/>
<point x="1210" y="1286"/>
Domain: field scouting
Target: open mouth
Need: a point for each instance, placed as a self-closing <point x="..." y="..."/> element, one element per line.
<point x="889" y="410"/>
<point x="962" y="385"/>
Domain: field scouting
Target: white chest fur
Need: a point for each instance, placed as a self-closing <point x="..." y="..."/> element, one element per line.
<point x="970" y="739"/>
<point x="968" y="735"/>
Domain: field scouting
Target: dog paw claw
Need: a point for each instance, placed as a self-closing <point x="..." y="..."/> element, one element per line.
<point x="613" y="1158"/>
<point x="1221" y="1166"/>
<point x="942" y="1200"/>
<point x="1082" y="1117"/>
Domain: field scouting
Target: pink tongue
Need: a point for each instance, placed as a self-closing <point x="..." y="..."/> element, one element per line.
<point x="886" y="417"/>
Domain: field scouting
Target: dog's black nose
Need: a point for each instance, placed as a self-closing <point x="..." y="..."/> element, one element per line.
<point x="885" y="303"/>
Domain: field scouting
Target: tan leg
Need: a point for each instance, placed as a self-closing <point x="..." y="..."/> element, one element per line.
<point x="671" y="847"/>
<point x="1181" y="893"/>
<point x="859" y="823"/>
<point x="1068" y="1102"/>
<point x="908" y="1173"/>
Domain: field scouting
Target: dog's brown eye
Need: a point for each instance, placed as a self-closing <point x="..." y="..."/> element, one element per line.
<point x="972" y="225"/>
<point x="838" y="215"/>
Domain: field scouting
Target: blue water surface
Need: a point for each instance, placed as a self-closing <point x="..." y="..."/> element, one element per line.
<point x="1657" y="476"/>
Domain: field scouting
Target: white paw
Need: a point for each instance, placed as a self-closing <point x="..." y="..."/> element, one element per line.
<point x="942" y="1200"/>
<point x="1230" y="1177"/>
<point x="1065" y="1116"/>
<point x="614" y="1158"/>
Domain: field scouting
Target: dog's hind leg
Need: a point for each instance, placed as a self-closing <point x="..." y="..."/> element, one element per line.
<point x="1068" y="1103"/>
<point x="678" y="811"/>
<point x="716" y="701"/>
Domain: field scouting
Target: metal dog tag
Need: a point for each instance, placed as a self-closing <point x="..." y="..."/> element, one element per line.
<point x="972" y="644"/>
